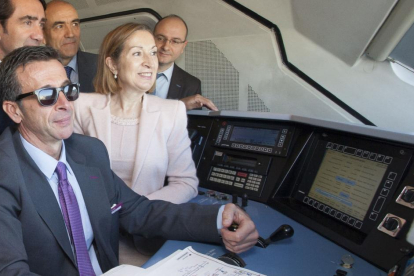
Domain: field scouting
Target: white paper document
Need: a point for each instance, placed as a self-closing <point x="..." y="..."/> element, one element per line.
<point x="187" y="262"/>
<point x="126" y="270"/>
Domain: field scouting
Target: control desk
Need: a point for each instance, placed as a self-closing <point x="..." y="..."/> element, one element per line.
<point x="305" y="253"/>
<point x="346" y="189"/>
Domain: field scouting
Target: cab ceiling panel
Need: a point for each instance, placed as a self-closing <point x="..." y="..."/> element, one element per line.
<point x="212" y="11"/>
<point x="78" y="4"/>
<point x="93" y="32"/>
<point x="343" y="28"/>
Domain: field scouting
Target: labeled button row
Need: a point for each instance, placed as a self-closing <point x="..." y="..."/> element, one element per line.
<point x="360" y="153"/>
<point x="224" y="171"/>
<point x="221" y="181"/>
<point x="249" y="147"/>
<point x="225" y="176"/>
<point x="253" y="187"/>
<point x="333" y="213"/>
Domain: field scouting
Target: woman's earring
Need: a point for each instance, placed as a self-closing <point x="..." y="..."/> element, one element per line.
<point x="115" y="76"/>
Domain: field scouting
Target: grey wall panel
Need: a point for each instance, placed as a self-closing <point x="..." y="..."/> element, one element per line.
<point x="405" y="49"/>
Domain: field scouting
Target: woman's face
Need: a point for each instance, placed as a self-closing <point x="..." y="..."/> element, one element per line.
<point x="137" y="65"/>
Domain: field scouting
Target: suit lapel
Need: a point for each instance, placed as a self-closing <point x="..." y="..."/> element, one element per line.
<point x="85" y="73"/>
<point x="176" y="84"/>
<point x="102" y="122"/>
<point x="96" y="199"/>
<point x="43" y="197"/>
<point x="148" y="121"/>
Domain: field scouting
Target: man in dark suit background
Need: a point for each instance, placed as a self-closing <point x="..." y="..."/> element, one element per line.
<point x="15" y="31"/>
<point x="172" y="81"/>
<point x="37" y="224"/>
<point x="62" y="32"/>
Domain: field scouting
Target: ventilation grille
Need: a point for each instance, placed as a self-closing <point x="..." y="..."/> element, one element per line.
<point x="219" y="78"/>
<point x="255" y="103"/>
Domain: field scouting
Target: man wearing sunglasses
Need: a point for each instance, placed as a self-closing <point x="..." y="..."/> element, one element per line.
<point x="173" y="82"/>
<point x="21" y="23"/>
<point x="61" y="205"/>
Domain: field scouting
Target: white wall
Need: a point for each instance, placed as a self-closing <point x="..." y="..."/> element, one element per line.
<point x="368" y="86"/>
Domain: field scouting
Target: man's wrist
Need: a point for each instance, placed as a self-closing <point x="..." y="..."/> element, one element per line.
<point x="220" y="218"/>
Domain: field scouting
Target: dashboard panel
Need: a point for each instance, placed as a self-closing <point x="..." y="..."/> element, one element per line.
<point x="350" y="183"/>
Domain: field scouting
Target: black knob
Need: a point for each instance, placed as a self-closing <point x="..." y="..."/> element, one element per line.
<point x="244" y="200"/>
<point x="391" y="223"/>
<point x="233" y="227"/>
<point x="283" y="232"/>
<point x="408" y="196"/>
<point x="232" y="259"/>
<point x="234" y="199"/>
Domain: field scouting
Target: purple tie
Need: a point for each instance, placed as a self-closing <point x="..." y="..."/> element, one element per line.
<point x="73" y="221"/>
<point x="68" y="70"/>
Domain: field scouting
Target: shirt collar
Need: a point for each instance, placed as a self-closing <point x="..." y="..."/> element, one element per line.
<point x="46" y="163"/>
<point x="168" y="73"/>
<point x="73" y="63"/>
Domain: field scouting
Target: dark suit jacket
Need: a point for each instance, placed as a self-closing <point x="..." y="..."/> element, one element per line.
<point x="33" y="236"/>
<point x="5" y="120"/>
<point x="183" y="84"/>
<point x="87" y="65"/>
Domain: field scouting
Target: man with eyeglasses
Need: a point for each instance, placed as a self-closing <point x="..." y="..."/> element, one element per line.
<point x="21" y="23"/>
<point x="61" y="205"/>
<point x="172" y="81"/>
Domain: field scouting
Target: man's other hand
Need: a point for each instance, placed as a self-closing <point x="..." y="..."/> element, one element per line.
<point x="246" y="234"/>
<point x="198" y="101"/>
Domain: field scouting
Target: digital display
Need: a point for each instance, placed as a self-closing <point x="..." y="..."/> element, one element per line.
<point x="347" y="183"/>
<point x="255" y="136"/>
<point x="241" y="161"/>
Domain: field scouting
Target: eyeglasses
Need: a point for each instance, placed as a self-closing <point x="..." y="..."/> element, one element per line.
<point x="49" y="96"/>
<point x="173" y="42"/>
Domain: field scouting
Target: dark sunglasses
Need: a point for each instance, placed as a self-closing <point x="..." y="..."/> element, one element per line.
<point x="49" y="96"/>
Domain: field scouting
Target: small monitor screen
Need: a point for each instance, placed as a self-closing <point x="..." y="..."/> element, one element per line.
<point x="347" y="183"/>
<point x="255" y="136"/>
<point x="241" y="161"/>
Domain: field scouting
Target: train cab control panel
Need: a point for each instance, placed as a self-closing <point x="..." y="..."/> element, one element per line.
<point x="352" y="184"/>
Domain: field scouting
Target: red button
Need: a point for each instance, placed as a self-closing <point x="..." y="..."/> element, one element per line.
<point x="241" y="174"/>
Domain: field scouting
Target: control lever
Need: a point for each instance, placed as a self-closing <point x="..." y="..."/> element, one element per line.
<point x="283" y="232"/>
<point x="234" y="199"/>
<point x="244" y="200"/>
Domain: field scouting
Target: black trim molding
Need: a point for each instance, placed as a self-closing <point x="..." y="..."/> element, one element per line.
<point x="292" y="67"/>
<point x="123" y="13"/>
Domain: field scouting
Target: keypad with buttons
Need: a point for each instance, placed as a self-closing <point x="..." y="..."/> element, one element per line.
<point x="243" y="180"/>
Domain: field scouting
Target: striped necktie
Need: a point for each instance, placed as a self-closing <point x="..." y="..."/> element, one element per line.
<point x="73" y="221"/>
<point x="68" y="70"/>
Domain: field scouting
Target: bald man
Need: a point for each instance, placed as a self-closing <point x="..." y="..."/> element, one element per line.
<point x="172" y="81"/>
<point x="62" y="32"/>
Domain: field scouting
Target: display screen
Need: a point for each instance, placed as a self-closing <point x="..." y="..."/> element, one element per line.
<point x="255" y="136"/>
<point x="347" y="183"/>
<point x="241" y="161"/>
